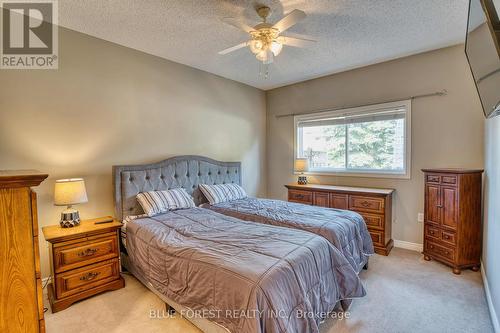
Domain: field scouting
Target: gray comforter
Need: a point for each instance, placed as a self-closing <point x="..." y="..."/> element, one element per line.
<point x="252" y="277"/>
<point x="346" y="230"/>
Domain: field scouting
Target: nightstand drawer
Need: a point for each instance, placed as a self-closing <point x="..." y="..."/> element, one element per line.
<point x="84" y="253"/>
<point x="300" y="196"/>
<point x="78" y="280"/>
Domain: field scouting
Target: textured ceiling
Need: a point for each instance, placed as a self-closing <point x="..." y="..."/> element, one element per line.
<point x="350" y="33"/>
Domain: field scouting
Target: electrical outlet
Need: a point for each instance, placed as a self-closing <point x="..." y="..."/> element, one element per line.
<point x="420" y="217"/>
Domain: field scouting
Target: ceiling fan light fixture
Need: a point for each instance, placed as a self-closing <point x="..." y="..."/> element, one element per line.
<point x="265" y="39"/>
<point x="276" y="47"/>
<point x="266" y="56"/>
<point x="255" y="46"/>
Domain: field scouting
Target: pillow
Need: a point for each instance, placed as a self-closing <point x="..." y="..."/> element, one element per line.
<point x="157" y="202"/>
<point x="222" y="192"/>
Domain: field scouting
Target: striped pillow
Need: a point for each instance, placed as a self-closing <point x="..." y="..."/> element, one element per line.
<point x="222" y="192"/>
<point x="157" y="202"/>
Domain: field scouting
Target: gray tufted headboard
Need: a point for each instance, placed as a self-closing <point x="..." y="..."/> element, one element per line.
<point x="180" y="171"/>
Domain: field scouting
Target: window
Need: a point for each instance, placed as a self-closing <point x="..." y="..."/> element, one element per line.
<point x="367" y="141"/>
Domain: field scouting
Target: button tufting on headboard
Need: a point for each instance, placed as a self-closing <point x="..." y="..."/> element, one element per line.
<point x="180" y="171"/>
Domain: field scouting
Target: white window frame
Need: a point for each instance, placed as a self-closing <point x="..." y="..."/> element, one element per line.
<point x="406" y="174"/>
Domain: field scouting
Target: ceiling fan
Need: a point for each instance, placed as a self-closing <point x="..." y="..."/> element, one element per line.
<point x="266" y="41"/>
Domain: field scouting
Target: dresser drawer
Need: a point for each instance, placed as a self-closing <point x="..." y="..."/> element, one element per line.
<point x="432" y="232"/>
<point x="373" y="221"/>
<point x="366" y="204"/>
<point x="377" y="237"/>
<point x="300" y="196"/>
<point x="449" y="237"/>
<point x="321" y="199"/>
<point x="448" y="180"/>
<point x="78" y="280"/>
<point x="339" y="201"/>
<point x="441" y="179"/>
<point x="442" y="251"/>
<point x="436" y="179"/>
<point x="84" y="253"/>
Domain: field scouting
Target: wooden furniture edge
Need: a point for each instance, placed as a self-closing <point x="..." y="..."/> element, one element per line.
<point x="385" y="251"/>
<point x="343" y="189"/>
<point x="455" y="171"/>
<point x="56" y="234"/>
<point x="21" y="178"/>
<point x="58" y="305"/>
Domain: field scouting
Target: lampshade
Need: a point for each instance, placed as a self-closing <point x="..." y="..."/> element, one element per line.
<point x="70" y="192"/>
<point x="301" y="165"/>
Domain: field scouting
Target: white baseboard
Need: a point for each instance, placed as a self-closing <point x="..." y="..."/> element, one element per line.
<point x="408" y="245"/>
<point x="493" y="314"/>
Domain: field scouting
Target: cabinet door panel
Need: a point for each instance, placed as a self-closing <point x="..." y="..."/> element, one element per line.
<point x="449" y="203"/>
<point x="432" y="204"/>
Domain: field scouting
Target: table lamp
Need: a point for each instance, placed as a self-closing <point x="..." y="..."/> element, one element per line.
<point x="69" y="192"/>
<point x="301" y="165"/>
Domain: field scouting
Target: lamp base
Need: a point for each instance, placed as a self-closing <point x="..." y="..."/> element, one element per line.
<point x="302" y="180"/>
<point x="70" y="218"/>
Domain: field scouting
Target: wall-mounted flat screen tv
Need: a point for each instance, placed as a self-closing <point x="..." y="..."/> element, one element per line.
<point x="482" y="48"/>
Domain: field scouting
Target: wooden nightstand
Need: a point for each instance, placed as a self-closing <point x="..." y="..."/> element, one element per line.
<point x="84" y="261"/>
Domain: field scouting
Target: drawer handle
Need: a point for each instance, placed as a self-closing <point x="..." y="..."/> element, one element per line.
<point x="365" y="203"/>
<point x="446" y="237"/>
<point x="299" y="196"/>
<point x="439" y="206"/>
<point x="431" y="232"/>
<point x="89" y="276"/>
<point x="88" y="252"/>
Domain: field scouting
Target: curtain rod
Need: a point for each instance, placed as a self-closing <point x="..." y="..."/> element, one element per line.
<point x="437" y="93"/>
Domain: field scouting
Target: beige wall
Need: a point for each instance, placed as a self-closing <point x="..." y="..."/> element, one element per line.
<point x="111" y="105"/>
<point x="446" y="131"/>
<point x="491" y="242"/>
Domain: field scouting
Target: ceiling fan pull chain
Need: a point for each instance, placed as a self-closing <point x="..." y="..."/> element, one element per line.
<point x="264" y="70"/>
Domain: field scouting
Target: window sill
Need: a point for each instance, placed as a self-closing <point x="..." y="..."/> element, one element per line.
<point x="356" y="174"/>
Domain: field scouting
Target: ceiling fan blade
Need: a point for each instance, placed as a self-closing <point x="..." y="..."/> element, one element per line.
<point x="234" y="48"/>
<point x="297" y="42"/>
<point x="291" y="19"/>
<point x="235" y="23"/>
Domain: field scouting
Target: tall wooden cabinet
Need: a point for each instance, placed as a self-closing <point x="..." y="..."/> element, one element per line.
<point x="374" y="204"/>
<point x="21" y="302"/>
<point x="452" y="213"/>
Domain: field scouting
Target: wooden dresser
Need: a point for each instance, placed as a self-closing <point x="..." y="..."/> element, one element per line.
<point x="21" y="300"/>
<point x="452" y="227"/>
<point x="84" y="261"/>
<point x="374" y="204"/>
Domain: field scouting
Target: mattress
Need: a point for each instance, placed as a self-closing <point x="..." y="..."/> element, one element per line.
<point x="247" y="277"/>
<point x="346" y="230"/>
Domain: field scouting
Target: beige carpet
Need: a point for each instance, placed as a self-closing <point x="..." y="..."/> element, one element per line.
<point x="405" y="294"/>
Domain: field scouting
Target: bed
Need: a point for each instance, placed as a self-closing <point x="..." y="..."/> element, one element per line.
<point x="241" y="276"/>
<point x="346" y="230"/>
